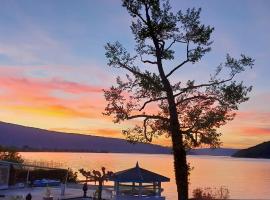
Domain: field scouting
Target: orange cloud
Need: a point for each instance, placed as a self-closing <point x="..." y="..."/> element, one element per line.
<point x="38" y="96"/>
<point x="54" y="110"/>
<point x="78" y="107"/>
<point x="108" y="132"/>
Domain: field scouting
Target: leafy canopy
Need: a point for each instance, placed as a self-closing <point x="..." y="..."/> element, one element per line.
<point x="202" y="107"/>
<point x="96" y="175"/>
<point x="10" y="155"/>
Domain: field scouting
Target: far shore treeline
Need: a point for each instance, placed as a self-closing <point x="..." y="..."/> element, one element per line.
<point x="261" y="150"/>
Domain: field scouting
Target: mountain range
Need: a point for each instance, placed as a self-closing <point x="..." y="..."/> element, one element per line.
<point x="28" y="138"/>
<point x="33" y="139"/>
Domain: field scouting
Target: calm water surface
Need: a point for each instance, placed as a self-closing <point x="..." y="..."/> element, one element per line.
<point x="245" y="178"/>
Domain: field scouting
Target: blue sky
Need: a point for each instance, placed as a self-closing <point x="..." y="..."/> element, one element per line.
<point x="49" y="43"/>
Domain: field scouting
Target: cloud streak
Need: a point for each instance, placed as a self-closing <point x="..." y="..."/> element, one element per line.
<point x="257" y="131"/>
<point x="38" y="96"/>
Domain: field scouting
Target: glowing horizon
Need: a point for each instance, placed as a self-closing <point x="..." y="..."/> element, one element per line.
<point x="53" y="70"/>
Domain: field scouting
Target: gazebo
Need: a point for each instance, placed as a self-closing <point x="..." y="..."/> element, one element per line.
<point x="138" y="183"/>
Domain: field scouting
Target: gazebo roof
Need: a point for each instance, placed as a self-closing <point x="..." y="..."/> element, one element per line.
<point x="138" y="175"/>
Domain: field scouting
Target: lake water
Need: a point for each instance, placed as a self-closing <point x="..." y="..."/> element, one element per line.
<point x="245" y="178"/>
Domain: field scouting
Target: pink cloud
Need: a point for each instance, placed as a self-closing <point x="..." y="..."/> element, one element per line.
<point x="72" y="87"/>
<point x="34" y="84"/>
<point x="35" y="95"/>
<point x="255" y="131"/>
<point x="255" y="116"/>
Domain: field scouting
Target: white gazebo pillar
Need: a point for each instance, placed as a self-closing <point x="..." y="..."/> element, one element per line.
<point x="140" y="189"/>
<point x="116" y="188"/>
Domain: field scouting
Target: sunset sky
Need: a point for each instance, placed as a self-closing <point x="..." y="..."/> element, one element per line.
<point x="53" y="66"/>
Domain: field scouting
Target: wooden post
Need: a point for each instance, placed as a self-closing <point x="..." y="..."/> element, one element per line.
<point x="133" y="186"/>
<point x="27" y="177"/>
<point x="8" y="176"/>
<point x="64" y="184"/>
<point x="115" y="186"/>
<point x="155" y="188"/>
<point x="159" y="189"/>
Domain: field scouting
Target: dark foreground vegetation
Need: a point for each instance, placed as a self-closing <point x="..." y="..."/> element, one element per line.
<point x="19" y="175"/>
<point x="21" y="172"/>
<point x="221" y="193"/>
<point x="10" y="155"/>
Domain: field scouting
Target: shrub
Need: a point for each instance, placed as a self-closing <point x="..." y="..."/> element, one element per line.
<point x="221" y="193"/>
<point x="10" y="154"/>
<point x="19" y="175"/>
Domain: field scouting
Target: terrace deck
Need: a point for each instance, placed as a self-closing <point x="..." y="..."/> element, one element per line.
<point x="71" y="192"/>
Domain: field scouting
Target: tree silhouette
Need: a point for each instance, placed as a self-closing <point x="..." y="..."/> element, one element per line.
<point x="10" y="154"/>
<point x="190" y="112"/>
<point x="97" y="176"/>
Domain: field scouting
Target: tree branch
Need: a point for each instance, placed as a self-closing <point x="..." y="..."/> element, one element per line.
<point x="190" y="129"/>
<point x="145" y="130"/>
<point x="203" y="85"/>
<point x="181" y="64"/>
<point x="147" y="116"/>
<point x="151" y="100"/>
<point x="170" y="45"/>
<point x="138" y="15"/>
<point x="198" y="97"/>
<point x="174" y="41"/>
<point x="162" y="44"/>
<point x="194" y="140"/>
<point x="148" y="61"/>
<point x="187" y="48"/>
<point x="134" y="72"/>
<point x="177" y="67"/>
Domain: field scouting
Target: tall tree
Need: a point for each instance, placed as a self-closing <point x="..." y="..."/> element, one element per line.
<point x="188" y="112"/>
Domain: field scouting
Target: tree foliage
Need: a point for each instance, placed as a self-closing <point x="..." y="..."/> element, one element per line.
<point x="97" y="176"/>
<point x="189" y="112"/>
<point x="10" y="155"/>
<point x="221" y="193"/>
<point x="202" y="108"/>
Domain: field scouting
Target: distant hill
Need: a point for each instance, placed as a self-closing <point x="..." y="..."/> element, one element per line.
<point x="214" y="152"/>
<point x="28" y="138"/>
<point x="34" y="139"/>
<point x="259" y="151"/>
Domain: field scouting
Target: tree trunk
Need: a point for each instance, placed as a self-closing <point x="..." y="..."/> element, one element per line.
<point x="180" y="166"/>
<point x="100" y="190"/>
<point x="179" y="152"/>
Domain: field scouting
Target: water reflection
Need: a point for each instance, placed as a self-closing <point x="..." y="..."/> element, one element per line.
<point x="245" y="178"/>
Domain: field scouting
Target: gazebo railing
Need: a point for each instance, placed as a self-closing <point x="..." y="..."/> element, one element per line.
<point x="126" y="197"/>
